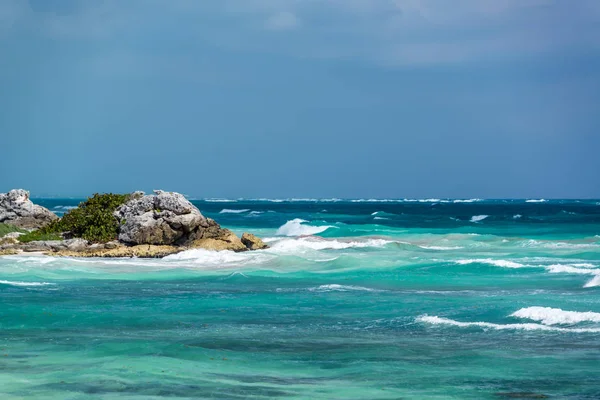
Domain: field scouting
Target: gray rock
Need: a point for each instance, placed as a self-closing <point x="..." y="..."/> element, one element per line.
<point x="164" y="218"/>
<point x="16" y="209"/>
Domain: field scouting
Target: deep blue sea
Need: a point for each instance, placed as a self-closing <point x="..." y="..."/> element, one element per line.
<point x="362" y="299"/>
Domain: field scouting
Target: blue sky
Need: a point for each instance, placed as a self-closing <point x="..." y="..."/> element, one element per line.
<point x="301" y="98"/>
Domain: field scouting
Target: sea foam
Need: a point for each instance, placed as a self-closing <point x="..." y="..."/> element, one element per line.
<point x="555" y="316"/>
<point x="477" y="218"/>
<point x="435" y="320"/>
<point x="293" y="245"/>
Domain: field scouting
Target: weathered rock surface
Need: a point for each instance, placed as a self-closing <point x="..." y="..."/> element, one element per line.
<point x="16" y="209"/>
<point x="141" y="251"/>
<point x="165" y="218"/>
<point x="252" y="242"/>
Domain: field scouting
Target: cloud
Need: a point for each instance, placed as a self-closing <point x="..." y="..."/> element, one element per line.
<point x="283" y="21"/>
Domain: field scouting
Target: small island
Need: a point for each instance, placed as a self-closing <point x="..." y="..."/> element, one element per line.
<point x="114" y="225"/>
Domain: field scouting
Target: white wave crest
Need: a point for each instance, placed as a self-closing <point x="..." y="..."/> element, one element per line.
<point x="25" y="284"/>
<point x="381" y="218"/>
<point x="230" y="211"/>
<point x="434" y="320"/>
<point x="441" y="247"/>
<point x="341" y="288"/>
<point x="594" y="282"/>
<point x="477" y="218"/>
<point x="536" y="201"/>
<point x="466" y="200"/>
<point x="220" y="200"/>
<point x="517" y="216"/>
<point x="217" y="258"/>
<point x="555" y="316"/>
<point x="293" y="245"/>
<point x="295" y="227"/>
<point x="490" y="261"/>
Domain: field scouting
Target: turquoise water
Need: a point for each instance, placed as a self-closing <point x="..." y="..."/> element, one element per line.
<point x="430" y="299"/>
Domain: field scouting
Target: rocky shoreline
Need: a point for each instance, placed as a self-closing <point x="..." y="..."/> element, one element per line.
<point x="145" y="226"/>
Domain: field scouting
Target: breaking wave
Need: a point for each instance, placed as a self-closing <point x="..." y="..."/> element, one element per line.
<point x="291" y="245"/>
<point x="230" y="211"/>
<point x="296" y="227"/>
<point x="434" y="320"/>
<point x="477" y="218"/>
<point x="25" y="284"/>
<point x="555" y="316"/>
<point x="490" y="261"/>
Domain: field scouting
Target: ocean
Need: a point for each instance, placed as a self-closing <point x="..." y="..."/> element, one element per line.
<point x="355" y="299"/>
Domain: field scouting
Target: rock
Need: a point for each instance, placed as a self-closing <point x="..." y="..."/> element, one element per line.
<point x="165" y="218"/>
<point x="16" y="209"/>
<point x="8" y="252"/>
<point x="10" y="238"/>
<point x="141" y="251"/>
<point x="112" y="245"/>
<point x="225" y="240"/>
<point x="252" y="242"/>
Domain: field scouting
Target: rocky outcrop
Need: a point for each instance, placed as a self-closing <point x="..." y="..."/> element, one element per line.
<point x="169" y="219"/>
<point x="149" y="226"/>
<point x="16" y="209"/>
<point x="252" y="242"/>
<point x="165" y="218"/>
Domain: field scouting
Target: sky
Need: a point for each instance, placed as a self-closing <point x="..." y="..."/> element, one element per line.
<point x="301" y="98"/>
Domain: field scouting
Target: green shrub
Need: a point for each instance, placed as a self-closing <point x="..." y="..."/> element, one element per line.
<point x="92" y="220"/>
<point x="38" y="235"/>
<point x="6" y="229"/>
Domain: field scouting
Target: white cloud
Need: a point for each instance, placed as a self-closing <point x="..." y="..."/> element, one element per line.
<point x="283" y="21"/>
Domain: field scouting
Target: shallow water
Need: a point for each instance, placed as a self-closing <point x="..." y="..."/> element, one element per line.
<point x="406" y="299"/>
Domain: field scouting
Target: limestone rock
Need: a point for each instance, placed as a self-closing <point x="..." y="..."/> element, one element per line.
<point x="16" y="209"/>
<point x="8" y="252"/>
<point x="222" y="239"/>
<point x="165" y="218"/>
<point x="252" y="242"/>
<point x="141" y="251"/>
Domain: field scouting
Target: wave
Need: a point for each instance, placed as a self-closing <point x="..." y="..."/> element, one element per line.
<point x="490" y="261"/>
<point x="381" y="218"/>
<point x="230" y="211"/>
<point x="441" y="247"/>
<point x="295" y="227"/>
<point x="477" y="218"/>
<point x="25" y="284"/>
<point x="218" y="258"/>
<point x="594" y="282"/>
<point x="558" y="245"/>
<point x="255" y="213"/>
<point x="466" y="200"/>
<point x="64" y="207"/>
<point x="292" y="245"/>
<point x="536" y="201"/>
<point x="341" y="288"/>
<point x="434" y="320"/>
<point x="220" y="200"/>
<point x="517" y="216"/>
<point x="555" y="316"/>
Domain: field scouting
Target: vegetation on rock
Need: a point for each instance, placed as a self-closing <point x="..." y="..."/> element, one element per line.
<point x="92" y="220"/>
<point x="6" y="229"/>
<point x="38" y="235"/>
